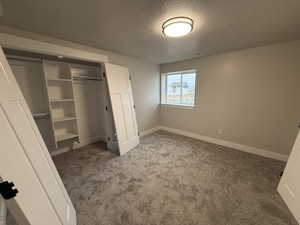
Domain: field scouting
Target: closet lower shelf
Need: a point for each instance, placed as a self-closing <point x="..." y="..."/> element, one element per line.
<point x="62" y="100"/>
<point x="66" y="136"/>
<point x="62" y="119"/>
<point x="40" y="115"/>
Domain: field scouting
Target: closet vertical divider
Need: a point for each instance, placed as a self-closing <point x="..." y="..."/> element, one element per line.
<point x="73" y="93"/>
<point x="48" y="100"/>
<point x="59" y="85"/>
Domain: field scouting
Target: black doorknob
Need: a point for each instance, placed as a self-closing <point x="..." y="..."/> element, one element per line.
<point x="8" y="190"/>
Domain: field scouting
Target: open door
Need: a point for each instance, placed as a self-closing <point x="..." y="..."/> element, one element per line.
<point x="289" y="186"/>
<point x="25" y="161"/>
<point x="120" y="92"/>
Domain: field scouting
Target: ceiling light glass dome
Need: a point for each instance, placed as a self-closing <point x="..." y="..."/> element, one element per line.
<point x="177" y="26"/>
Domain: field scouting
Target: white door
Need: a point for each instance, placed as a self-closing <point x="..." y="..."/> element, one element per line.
<point x="25" y="160"/>
<point x="119" y="87"/>
<point x="289" y="186"/>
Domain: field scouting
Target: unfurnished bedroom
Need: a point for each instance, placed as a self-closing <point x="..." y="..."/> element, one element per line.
<point x="163" y="112"/>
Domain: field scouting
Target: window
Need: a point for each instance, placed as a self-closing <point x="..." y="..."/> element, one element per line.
<point x="179" y="88"/>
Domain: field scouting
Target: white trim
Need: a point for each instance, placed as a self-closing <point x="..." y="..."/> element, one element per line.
<point x="181" y="71"/>
<point x="26" y="44"/>
<point x="149" y="131"/>
<point x="236" y="146"/>
<point x="189" y="107"/>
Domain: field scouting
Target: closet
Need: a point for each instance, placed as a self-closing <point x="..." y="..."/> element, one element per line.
<point x="68" y="99"/>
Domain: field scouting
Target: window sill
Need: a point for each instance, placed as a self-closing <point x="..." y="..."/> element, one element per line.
<point x="189" y="107"/>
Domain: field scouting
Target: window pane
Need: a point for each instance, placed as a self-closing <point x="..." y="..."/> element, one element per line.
<point x="173" y="89"/>
<point x="188" y="88"/>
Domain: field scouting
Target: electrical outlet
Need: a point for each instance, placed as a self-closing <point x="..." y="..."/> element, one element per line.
<point x="220" y="131"/>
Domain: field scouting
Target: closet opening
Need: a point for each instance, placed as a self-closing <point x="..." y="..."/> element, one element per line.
<point x="68" y="99"/>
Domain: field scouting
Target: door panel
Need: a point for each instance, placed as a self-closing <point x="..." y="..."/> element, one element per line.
<point x="129" y="114"/>
<point x="16" y="167"/>
<point x="30" y="142"/>
<point x="119" y="87"/>
<point x="110" y="128"/>
<point x="119" y="117"/>
<point x="289" y="186"/>
<point x="26" y="161"/>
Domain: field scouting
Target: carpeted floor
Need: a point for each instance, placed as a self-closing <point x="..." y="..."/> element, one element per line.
<point x="173" y="180"/>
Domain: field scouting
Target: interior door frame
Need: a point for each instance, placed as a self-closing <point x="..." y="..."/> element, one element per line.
<point x="48" y="48"/>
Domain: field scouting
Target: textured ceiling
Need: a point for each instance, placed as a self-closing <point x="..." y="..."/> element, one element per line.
<point x="133" y="27"/>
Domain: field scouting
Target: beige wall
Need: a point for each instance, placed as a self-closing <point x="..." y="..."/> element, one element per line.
<point x="145" y="77"/>
<point x="253" y="95"/>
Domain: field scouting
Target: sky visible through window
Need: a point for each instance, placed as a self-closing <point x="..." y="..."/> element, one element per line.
<point x="181" y="88"/>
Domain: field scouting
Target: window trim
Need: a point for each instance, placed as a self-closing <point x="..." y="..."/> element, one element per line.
<point x="163" y="95"/>
<point x="189" y="107"/>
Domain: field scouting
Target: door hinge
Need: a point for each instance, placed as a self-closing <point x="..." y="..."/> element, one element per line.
<point x="104" y="74"/>
<point x="106" y="108"/>
<point x="281" y="173"/>
<point x="134" y="106"/>
<point x="129" y="77"/>
<point x="8" y="190"/>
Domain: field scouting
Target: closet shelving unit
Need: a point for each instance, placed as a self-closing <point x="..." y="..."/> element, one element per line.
<point x="65" y="97"/>
<point x="59" y="85"/>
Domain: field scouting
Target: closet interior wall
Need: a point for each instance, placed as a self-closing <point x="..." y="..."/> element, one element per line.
<point x="67" y="99"/>
<point x="89" y="103"/>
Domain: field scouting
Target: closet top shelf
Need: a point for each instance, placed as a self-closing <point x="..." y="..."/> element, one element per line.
<point x="93" y="78"/>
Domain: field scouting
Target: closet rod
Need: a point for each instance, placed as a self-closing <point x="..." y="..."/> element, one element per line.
<point x="26" y="59"/>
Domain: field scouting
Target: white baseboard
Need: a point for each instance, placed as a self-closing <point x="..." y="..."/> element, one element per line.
<point x="149" y="131"/>
<point x="236" y="146"/>
<point x="243" y="148"/>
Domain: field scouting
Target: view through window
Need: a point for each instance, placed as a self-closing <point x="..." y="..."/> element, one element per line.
<point x="180" y="88"/>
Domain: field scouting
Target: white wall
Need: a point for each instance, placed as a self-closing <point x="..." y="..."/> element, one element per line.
<point x="253" y="95"/>
<point x="145" y="77"/>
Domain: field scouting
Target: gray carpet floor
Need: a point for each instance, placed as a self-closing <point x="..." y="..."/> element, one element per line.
<point x="173" y="180"/>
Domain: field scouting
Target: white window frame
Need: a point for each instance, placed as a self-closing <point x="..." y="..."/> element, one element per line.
<point x="163" y="96"/>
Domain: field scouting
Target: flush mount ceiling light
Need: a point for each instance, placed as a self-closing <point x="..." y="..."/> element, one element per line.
<point x="177" y="26"/>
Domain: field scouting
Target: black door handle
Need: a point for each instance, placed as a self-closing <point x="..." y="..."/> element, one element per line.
<point x="8" y="190"/>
